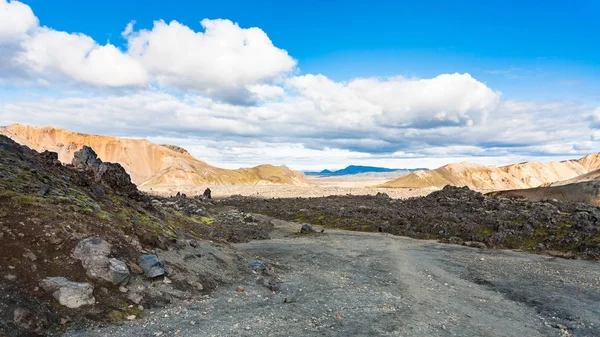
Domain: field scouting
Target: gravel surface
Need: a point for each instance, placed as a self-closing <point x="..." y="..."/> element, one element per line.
<point x="371" y="284"/>
<point x="288" y="191"/>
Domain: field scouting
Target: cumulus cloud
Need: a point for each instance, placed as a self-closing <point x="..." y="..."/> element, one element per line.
<point x="16" y="20"/>
<point x="223" y="61"/>
<point x="448" y="99"/>
<point x="293" y="130"/>
<point x="223" y="58"/>
<point x="55" y="55"/>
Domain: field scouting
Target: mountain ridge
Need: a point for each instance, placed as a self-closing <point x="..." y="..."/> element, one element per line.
<point x="514" y="176"/>
<point x="149" y="164"/>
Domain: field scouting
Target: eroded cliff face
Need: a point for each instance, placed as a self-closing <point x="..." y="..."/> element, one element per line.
<point x="147" y="163"/>
<point x="516" y="176"/>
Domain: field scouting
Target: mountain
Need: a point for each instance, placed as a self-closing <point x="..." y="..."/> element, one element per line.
<point x="149" y="164"/>
<point x="517" y="176"/>
<point x="357" y="169"/>
<point x="586" y="191"/>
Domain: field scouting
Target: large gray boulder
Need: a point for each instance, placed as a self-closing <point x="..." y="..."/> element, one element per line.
<point x="93" y="253"/>
<point x="70" y="294"/>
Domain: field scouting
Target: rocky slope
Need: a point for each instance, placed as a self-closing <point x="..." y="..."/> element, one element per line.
<point x="79" y="244"/>
<point x="585" y="192"/>
<point x="517" y="176"/>
<point x="148" y="164"/>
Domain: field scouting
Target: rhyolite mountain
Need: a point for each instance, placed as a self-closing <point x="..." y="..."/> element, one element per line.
<point x="516" y="176"/>
<point x="149" y="164"/>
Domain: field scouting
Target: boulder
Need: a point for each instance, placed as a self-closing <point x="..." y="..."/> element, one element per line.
<point x="118" y="272"/>
<point x="207" y="194"/>
<point x="70" y="294"/>
<point x="151" y="265"/>
<point x="93" y="253"/>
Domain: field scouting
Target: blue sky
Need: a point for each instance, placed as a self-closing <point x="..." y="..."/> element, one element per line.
<point x="538" y="59"/>
<point x="527" y="49"/>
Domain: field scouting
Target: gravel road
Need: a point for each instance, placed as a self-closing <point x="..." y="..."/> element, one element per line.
<point x="370" y="284"/>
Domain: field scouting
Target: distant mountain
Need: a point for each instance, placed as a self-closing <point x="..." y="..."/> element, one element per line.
<point x="357" y="169"/>
<point x="516" y="176"/>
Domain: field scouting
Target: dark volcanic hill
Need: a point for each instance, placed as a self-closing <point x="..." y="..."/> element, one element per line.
<point x="72" y="239"/>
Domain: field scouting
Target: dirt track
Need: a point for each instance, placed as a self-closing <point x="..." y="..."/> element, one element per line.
<point x="370" y="284"/>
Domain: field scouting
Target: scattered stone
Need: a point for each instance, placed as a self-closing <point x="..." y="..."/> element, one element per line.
<point x="28" y="321"/>
<point x="240" y="289"/>
<point x="151" y="265"/>
<point x="135" y="297"/>
<point x="10" y="277"/>
<point x="475" y="244"/>
<point x="207" y="194"/>
<point x="306" y="228"/>
<point x="258" y="265"/>
<point x="123" y="289"/>
<point x="131" y="317"/>
<point x="287" y="300"/>
<point x="31" y="256"/>
<point x="135" y="268"/>
<point x="118" y="272"/>
<point x="70" y="294"/>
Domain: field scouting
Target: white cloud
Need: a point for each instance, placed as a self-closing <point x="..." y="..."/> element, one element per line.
<point x="224" y="57"/>
<point x="16" y="19"/>
<point x="456" y="99"/>
<point x="224" y="61"/>
<point x="60" y="55"/>
<point x="294" y="130"/>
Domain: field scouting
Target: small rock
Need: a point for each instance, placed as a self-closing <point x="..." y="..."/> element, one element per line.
<point x="135" y="268"/>
<point x="131" y="317"/>
<point x="123" y="289"/>
<point x="475" y="244"/>
<point x="240" y="289"/>
<point x="33" y="268"/>
<point x="151" y="265"/>
<point x="31" y="256"/>
<point x="70" y="294"/>
<point x="258" y="265"/>
<point x="64" y="320"/>
<point x="10" y="277"/>
<point x="287" y="300"/>
<point x="135" y="297"/>
<point x="306" y="229"/>
<point x="28" y="321"/>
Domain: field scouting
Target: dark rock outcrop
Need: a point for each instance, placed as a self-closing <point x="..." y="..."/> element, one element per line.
<point x="110" y="174"/>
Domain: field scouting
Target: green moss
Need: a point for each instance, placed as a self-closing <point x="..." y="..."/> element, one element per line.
<point x="27" y="199"/>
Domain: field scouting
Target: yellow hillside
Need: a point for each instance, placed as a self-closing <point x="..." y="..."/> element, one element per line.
<point x="148" y="164"/>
